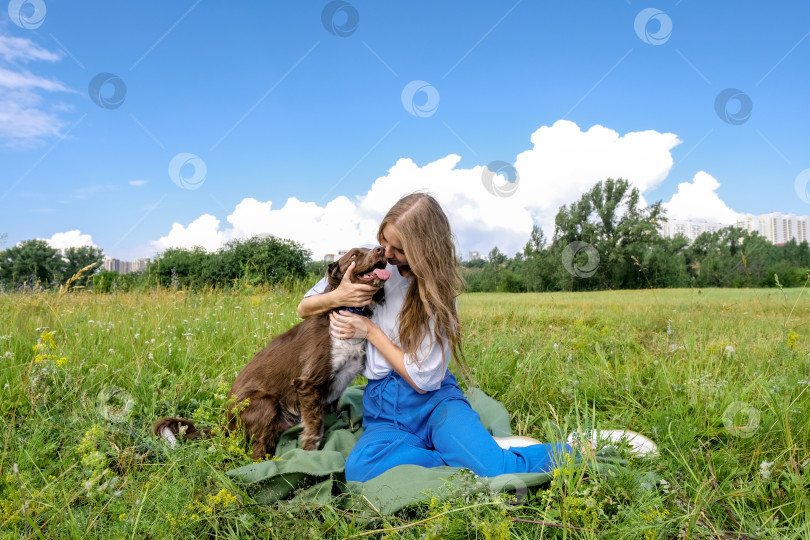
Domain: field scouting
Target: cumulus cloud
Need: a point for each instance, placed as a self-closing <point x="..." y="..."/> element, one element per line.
<point x="202" y="232"/>
<point x="563" y="162"/>
<point x="25" y="118"/>
<point x="74" y="238"/>
<point x="698" y="200"/>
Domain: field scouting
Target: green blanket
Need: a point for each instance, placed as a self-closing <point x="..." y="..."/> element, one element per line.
<point x="317" y="476"/>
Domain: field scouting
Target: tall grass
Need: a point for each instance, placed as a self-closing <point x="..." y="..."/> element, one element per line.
<point x="718" y="378"/>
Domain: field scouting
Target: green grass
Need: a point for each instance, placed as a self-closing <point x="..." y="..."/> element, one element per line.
<point x="718" y="378"/>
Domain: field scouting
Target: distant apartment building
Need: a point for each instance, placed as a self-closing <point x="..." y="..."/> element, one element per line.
<point x="115" y="265"/>
<point x="778" y="228"/>
<point x="124" y="267"/>
<point x="474" y="255"/>
<point x="688" y="228"/>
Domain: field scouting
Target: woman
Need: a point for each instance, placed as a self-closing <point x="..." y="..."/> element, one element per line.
<point x="413" y="410"/>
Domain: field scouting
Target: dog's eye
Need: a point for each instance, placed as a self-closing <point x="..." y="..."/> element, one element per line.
<point x="354" y="254"/>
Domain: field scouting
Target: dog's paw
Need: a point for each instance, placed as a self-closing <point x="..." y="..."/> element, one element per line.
<point x="167" y="434"/>
<point x="310" y="443"/>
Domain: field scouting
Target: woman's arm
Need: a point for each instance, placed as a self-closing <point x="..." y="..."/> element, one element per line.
<point x="347" y="294"/>
<point x="392" y="354"/>
<point x="429" y="372"/>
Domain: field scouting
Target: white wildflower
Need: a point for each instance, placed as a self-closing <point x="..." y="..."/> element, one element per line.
<point x="765" y="469"/>
<point x="729" y="350"/>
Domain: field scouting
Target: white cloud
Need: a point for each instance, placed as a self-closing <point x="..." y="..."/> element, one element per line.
<point x="14" y="49"/>
<point x="563" y="163"/>
<point x="203" y="232"/>
<point x="699" y="201"/>
<point x="25" y="118"/>
<point x="74" y="238"/>
<point x="138" y="183"/>
<point x="25" y="80"/>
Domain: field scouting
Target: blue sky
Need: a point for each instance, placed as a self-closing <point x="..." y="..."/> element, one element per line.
<point x="277" y="107"/>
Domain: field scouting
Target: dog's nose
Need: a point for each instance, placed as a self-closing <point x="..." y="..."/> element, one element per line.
<point x="379" y="250"/>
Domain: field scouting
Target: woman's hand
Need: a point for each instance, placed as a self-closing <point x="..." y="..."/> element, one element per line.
<point x="346" y="294"/>
<point x="354" y="294"/>
<point x="345" y="324"/>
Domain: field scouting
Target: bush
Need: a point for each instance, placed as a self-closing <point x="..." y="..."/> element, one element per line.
<point x="260" y="260"/>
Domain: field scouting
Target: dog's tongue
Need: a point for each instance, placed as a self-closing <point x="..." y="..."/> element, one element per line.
<point x="381" y="273"/>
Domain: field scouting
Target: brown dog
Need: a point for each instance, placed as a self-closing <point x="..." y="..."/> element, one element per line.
<point x="298" y="373"/>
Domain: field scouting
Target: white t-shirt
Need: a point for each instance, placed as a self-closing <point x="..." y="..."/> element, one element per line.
<point x="434" y="358"/>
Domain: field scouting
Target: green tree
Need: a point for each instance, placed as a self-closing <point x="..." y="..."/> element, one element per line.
<point x="496" y="256"/>
<point x="509" y="282"/>
<point x="76" y="258"/>
<point x="475" y="263"/>
<point x="610" y="219"/>
<point x="178" y="267"/>
<point x="720" y="258"/>
<point x="537" y="242"/>
<point x="254" y="261"/>
<point x="757" y="255"/>
<point x="30" y="261"/>
<point x="663" y="263"/>
<point x="264" y="259"/>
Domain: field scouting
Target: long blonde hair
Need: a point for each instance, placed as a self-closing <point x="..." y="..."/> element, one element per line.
<point x="427" y="241"/>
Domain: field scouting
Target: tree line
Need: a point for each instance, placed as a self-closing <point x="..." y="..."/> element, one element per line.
<point x="605" y="240"/>
<point x="260" y="260"/>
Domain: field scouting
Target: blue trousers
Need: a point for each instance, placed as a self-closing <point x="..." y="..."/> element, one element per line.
<point x="402" y="426"/>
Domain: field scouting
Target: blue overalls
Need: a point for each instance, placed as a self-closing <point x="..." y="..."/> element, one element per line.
<point x="402" y="426"/>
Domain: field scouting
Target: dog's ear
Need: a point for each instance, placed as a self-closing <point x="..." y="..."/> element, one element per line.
<point x="333" y="275"/>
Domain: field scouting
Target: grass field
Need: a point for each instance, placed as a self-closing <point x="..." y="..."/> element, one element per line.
<point x="718" y="378"/>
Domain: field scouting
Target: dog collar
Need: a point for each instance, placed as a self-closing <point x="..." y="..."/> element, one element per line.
<point x="354" y="310"/>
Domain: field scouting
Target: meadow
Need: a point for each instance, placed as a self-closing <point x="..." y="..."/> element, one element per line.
<point x="717" y="377"/>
